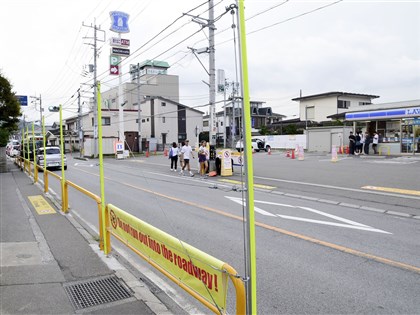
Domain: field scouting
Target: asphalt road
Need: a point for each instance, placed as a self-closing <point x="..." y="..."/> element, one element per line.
<point x="332" y="237"/>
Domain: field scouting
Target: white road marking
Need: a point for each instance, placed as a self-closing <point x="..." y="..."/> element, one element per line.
<point x="347" y="223"/>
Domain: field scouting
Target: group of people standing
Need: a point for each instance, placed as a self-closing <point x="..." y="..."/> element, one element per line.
<point x="359" y="143"/>
<point x="185" y="153"/>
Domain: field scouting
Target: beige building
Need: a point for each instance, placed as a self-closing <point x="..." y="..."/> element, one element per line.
<point x="163" y="119"/>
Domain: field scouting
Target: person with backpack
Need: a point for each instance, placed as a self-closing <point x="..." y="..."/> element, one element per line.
<point x="173" y="156"/>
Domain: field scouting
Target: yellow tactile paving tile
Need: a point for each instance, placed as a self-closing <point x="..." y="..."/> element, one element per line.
<point x="41" y="205"/>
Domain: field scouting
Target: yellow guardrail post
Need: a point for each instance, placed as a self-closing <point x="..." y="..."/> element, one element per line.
<point x="45" y="180"/>
<point x="239" y="289"/>
<point x="107" y="232"/>
<point x="382" y="147"/>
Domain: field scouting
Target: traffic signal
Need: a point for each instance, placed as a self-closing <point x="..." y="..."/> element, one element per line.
<point x="54" y="108"/>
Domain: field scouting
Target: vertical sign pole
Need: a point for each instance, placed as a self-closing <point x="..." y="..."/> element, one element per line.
<point x="101" y="169"/>
<point x="252" y="268"/>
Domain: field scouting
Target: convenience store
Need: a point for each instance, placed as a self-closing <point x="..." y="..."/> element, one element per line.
<point x="398" y="127"/>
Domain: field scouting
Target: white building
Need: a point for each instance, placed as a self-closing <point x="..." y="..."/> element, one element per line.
<point x="318" y="107"/>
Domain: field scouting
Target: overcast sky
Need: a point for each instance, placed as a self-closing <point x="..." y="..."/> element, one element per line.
<point x="370" y="47"/>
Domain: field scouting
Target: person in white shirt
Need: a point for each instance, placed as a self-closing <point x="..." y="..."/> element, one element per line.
<point x="173" y="155"/>
<point x="186" y="150"/>
<point x="375" y="143"/>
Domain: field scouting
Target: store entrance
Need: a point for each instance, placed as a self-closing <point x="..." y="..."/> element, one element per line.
<point x="410" y="138"/>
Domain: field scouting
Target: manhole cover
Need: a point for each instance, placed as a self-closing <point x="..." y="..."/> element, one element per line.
<point x="93" y="292"/>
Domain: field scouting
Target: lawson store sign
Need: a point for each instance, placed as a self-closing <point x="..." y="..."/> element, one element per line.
<point x="385" y="114"/>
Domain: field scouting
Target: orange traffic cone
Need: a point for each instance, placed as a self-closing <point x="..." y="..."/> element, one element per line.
<point x="269" y="151"/>
<point x="147" y="153"/>
<point x="339" y="150"/>
<point x="165" y="152"/>
<point x="293" y="154"/>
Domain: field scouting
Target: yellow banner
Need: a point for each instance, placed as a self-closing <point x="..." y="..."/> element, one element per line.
<point x="199" y="271"/>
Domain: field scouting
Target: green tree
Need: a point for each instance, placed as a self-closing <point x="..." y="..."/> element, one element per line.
<point x="264" y="130"/>
<point x="9" y="110"/>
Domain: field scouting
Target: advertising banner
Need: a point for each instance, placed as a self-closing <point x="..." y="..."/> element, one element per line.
<point x="199" y="271"/>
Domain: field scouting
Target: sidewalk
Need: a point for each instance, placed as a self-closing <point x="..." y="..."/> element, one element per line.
<point x="51" y="265"/>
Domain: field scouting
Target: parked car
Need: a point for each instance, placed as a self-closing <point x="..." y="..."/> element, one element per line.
<point x="53" y="156"/>
<point x="257" y="145"/>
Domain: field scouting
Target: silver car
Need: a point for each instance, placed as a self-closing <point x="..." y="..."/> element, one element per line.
<point x="53" y="156"/>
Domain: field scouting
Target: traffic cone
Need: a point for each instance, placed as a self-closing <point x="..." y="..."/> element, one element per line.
<point x="147" y="153"/>
<point x="347" y="149"/>
<point x="165" y="152"/>
<point x="340" y="150"/>
<point x="293" y="154"/>
<point x="269" y="151"/>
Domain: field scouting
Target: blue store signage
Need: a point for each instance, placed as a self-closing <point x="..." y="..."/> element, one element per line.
<point x="384" y="114"/>
<point x="119" y="22"/>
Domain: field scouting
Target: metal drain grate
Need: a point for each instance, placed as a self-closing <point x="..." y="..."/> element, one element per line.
<point x="93" y="292"/>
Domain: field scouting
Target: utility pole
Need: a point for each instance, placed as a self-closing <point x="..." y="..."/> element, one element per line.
<point x="40" y="106"/>
<point x="80" y="125"/>
<point x="212" y="75"/>
<point x="95" y="55"/>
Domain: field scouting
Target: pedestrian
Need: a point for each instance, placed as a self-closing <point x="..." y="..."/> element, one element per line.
<point x="188" y="153"/>
<point x="202" y="158"/>
<point x="375" y="142"/>
<point x="352" y="142"/>
<point x="173" y="155"/>
<point x="367" y="143"/>
<point x="181" y="155"/>
<point x="357" y="146"/>
<point x="362" y="142"/>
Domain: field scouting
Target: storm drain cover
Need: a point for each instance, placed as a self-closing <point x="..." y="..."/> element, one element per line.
<point x="93" y="292"/>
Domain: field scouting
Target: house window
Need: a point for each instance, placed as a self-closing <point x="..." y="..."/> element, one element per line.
<point x="364" y="103"/>
<point x="106" y="121"/>
<point x="343" y="104"/>
<point x="93" y="121"/>
<point x="163" y="120"/>
<point x="221" y="124"/>
<point x="143" y="120"/>
<point x="310" y="113"/>
<point x="163" y="103"/>
<point x="205" y="123"/>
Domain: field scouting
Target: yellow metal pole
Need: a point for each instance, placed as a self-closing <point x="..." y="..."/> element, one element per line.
<point x="23" y="149"/>
<point x="101" y="171"/>
<point x="27" y="151"/>
<point x="34" y="153"/>
<point x="252" y="255"/>
<point x="64" y="206"/>
<point x="45" y="156"/>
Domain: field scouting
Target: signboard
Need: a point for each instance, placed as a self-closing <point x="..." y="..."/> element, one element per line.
<point x="199" y="271"/>
<point x="114" y="70"/>
<point x="226" y="167"/>
<point x="114" y="67"/>
<point x="384" y="114"/>
<point x="120" y="51"/>
<point x="115" y="41"/>
<point x="22" y="99"/>
<point x="119" y="22"/>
